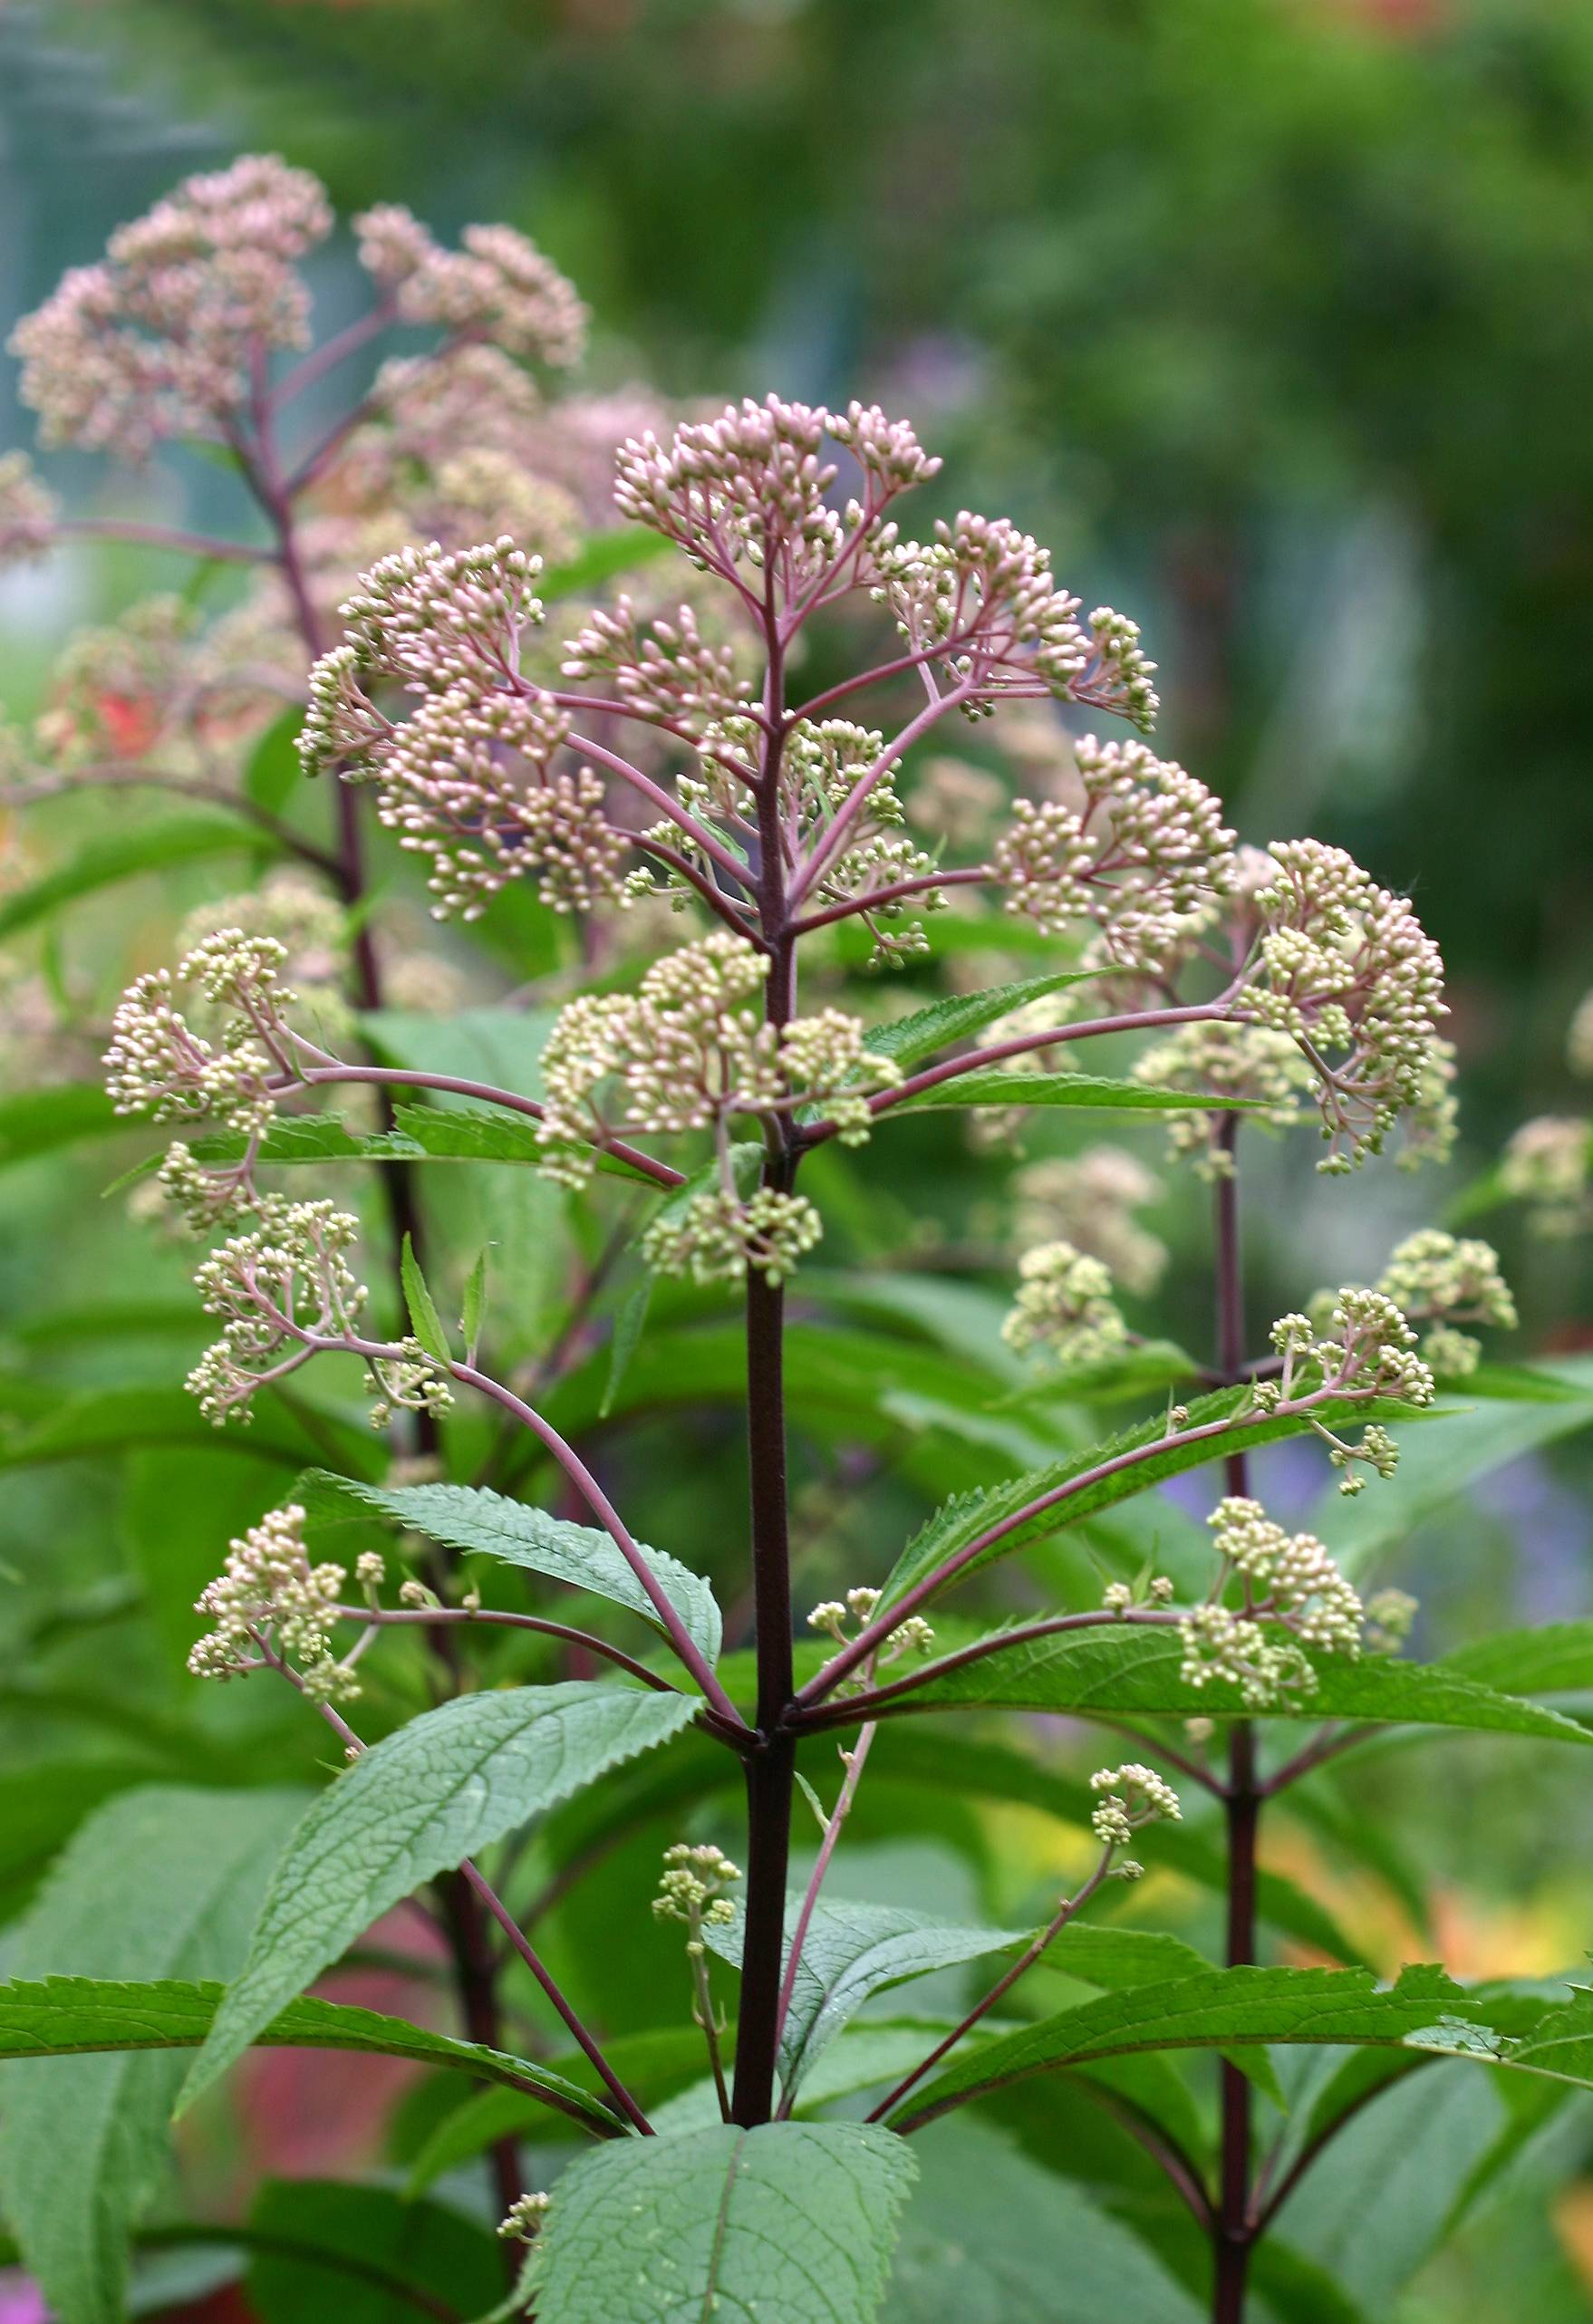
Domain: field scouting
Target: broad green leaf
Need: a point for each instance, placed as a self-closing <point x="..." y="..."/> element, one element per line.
<point x="465" y="1133"/>
<point x="854" y="1950"/>
<point x="424" y="1320"/>
<point x="41" y="1121"/>
<point x="99" y="1421"/>
<point x="1438" y="1462"/>
<point x="158" y="1883"/>
<point x="326" y="2253"/>
<point x="415" y="1805"/>
<point x="911" y="1039"/>
<point x="1235" y="2009"/>
<point x="1557" y="1659"/>
<point x="963" y="1521"/>
<point x="274" y="770"/>
<point x="123" y="854"/>
<point x="624" y="1340"/>
<point x="1127" y="1670"/>
<point x="793" y="2221"/>
<point x="82" y="2017"/>
<point x="467" y="1517"/>
<point x="1094" y="1092"/>
<point x="993" y="2238"/>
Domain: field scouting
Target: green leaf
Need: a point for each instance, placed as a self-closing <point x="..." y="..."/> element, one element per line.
<point x="111" y="1420"/>
<point x="1094" y="1092"/>
<point x="415" y="1805"/>
<point x="42" y="1121"/>
<point x="80" y="2017"/>
<point x="473" y="1307"/>
<point x="274" y="772"/>
<point x="793" y="2221"/>
<point x="123" y="854"/>
<point x="911" y="1039"/>
<point x="1557" y="1659"/>
<point x="628" y="1326"/>
<point x="469" y="1517"/>
<point x="961" y="1521"/>
<point x="854" y="1950"/>
<point x="1130" y="1670"/>
<point x="158" y="1883"/>
<point x="330" y="2253"/>
<point x="1235" y="2009"/>
<point x="620" y="548"/>
<point x="424" y="1320"/>
<point x="993" y="2238"/>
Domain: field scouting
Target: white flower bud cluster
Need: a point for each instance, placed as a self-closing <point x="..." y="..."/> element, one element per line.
<point x="836" y="1616"/>
<point x="1148" y="850"/>
<point x="499" y="287"/>
<point x="287" y="1278"/>
<point x="1128" y="1798"/>
<point x="28" y="511"/>
<point x="1549" y="1163"/>
<point x="1221" y="1059"/>
<point x="157" y="1064"/>
<point x="1291" y="1576"/>
<point x="1345" y="967"/>
<point x="292" y="909"/>
<point x="526" y="2218"/>
<point x="718" y="1236"/>
<point x="1224" y="1648"/>
<point x="158" y="340"/>
<point x="1065" y="1306"/>
<point x="750" y="486"/>
<point x="1389" y="1617"/>
<point x="269" y="1590"/>
<point x="410" y="1381"/>
<point x="1434" y="1276"/>
<point x="1121" y="1597"/>
<point x="1089" y="1199"/>
<point x="667" y="672"/>
<point x="822" y="764"/>
<point x="1357" y="1346"/>
<point x="693" y="1885"/>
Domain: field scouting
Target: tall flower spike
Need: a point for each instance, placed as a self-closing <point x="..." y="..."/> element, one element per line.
<point x="158" y="340"/>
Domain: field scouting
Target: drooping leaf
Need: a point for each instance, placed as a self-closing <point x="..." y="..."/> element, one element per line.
<point x="326" y="2253"/>
<point x="467" y="1517"/>
<point x="990" y="2237"/>
<point x="853" y="1951"/>
<point x="417" y="1804"/>
<point x="123" y="854"/>
<point x="160" y="1882"/>
<point x="1235" y="2009"/>
<point x="794" y="2221"/>
<point x="1125" y="1669"/>
<point x="83" y="2017"/>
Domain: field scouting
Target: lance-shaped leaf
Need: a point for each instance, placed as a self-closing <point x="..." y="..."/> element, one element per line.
<point x="417" y="1804"/>
<point x="39" y="1120"/>
<point x="962" y="1521"/>
<point x="1236" y="2009"/>
<point x="1094" y="1092"/>
<point x="122" y="855"/>
<point x="794" y="2221"/>
<point x="82" y="2017"/>
<point x="854" y="1950"/>
<point x="1557" y="1659"/>
<point x="468" y="1517"/>
<point x="913" y="1038"/>
<point x="186" y="1869"/>
<point x="1125" y="1670"/>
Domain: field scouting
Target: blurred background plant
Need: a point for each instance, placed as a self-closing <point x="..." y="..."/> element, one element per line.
<point x="1270" y="318"/>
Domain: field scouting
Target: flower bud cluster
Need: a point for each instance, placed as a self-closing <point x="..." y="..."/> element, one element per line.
<point x="667" y="671"/>
<point x="291" y="908"/>
<point x="268" y="1590"/>
<point x="1549" y="1163"/>
<point x="1089" y="1200"/>
<point x="158" y="339"/>
<point x="409" y="1381"/>
<point x="836" y="1616"/>
<point x="1065" y="1306"/>
<point x="1435" y="1278"/>
<point x="1344" y="967"/>
<point x="1290" y="1583"/>
<point x="28" y="511"/>
<point x="157" y="1064"/>
<point x="1128" y="1798"/>
<point x="526" y="2218"/>
<point x="692" y="1887"/>
<point x="718" y="1236"/>
<point x="822" y="764"/>
<point x="1148" y="850"/>
<point x="283" y="1286"/>
<point x="499" y="287"/>
<point x="1266" y="1071"/>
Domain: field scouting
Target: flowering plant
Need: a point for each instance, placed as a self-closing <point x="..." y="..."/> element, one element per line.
<point x="676" y="771"/>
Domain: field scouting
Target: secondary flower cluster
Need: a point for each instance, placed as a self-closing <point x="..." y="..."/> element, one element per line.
<point x="500" y="286"/>
<point x="268" y="1593"/>
<point x="1549" y="1163"/>
<point x="836" y="1615"/>
<point x="285" y="1283"/>
<point x="1438" y="1279"/>
<point x="159" y="1065"/>
<point x="1290" y="1583"/>
<point x="1089" y="1199"/>
<point x="1065" y="1306"/>
<point x="1128" y="1798"/>
<point x="692" y="1887"/>
<point x="687" y="1053"/>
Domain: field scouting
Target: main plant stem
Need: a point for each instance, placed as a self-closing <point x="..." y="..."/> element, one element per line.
<point x="1233" y="2232"/>
<point x="771" y="1762"/>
